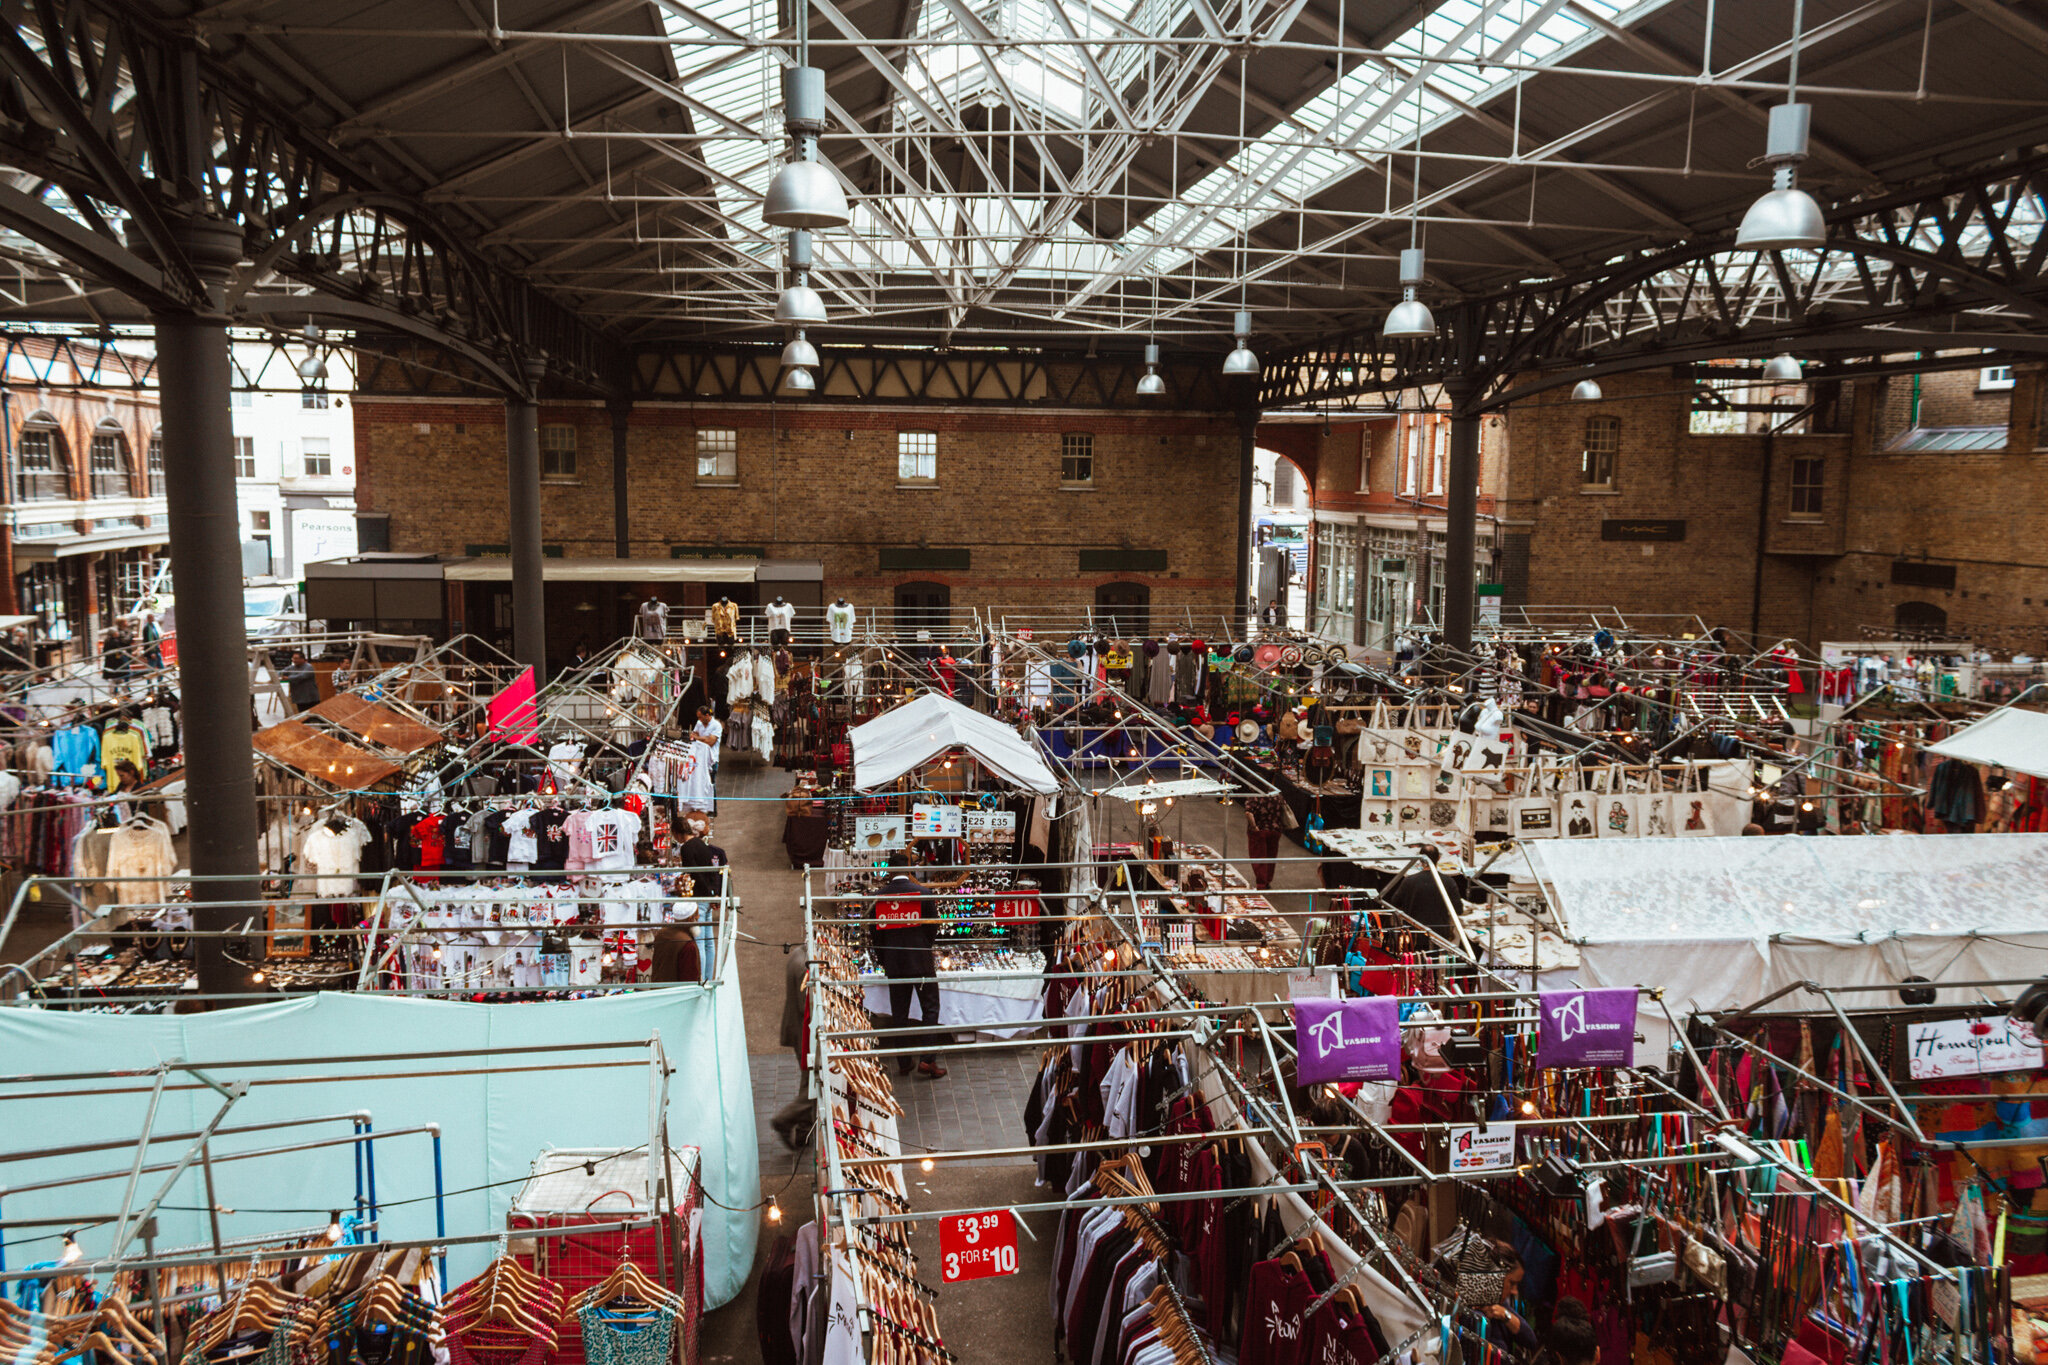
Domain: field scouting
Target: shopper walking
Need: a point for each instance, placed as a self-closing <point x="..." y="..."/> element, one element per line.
<point x="792" y="1123"/>
<point x="116" y="663"/>
<point x="904" y="937"/>
<point x="301" y="681"/>
<point x="1264" y="818"/>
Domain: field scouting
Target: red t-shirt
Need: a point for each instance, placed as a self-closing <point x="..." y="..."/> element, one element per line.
<point x="433" y="849"/>
<point x="1274" y="1333"/>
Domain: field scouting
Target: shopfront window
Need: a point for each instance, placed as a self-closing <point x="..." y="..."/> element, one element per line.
<point x="1336" y="584"/>
<point x="109" y="464"/>
<point x="43" y="466"/>
<point x="48" y="593"/>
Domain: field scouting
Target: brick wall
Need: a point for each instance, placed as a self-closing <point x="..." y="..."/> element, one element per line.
<point x="821" y="483"/>
<point x="1825" y="575"/>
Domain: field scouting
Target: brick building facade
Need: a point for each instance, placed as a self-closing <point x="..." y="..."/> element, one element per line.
<point x="83" y="528"/>
<point x="1905" y="504"/>
<point x="903" y="507"/>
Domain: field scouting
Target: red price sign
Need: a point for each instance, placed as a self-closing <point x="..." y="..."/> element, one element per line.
<point x="973" y="1246"/>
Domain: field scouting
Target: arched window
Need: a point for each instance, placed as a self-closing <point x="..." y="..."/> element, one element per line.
<point x="1125" y="609"/>
<point x="42" y="466"/>
<point x="156" y="466"/>
<point x="111" y="476"/>
<point x="1913" y="619"/>
<point x="1602" y="452"/>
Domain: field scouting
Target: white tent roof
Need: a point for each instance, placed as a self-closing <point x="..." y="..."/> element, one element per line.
<point x="2014" y="738"/>
<point x="1845" y="890"/>
<point x="1717" y="924"/>
<point x="922" y="729"/>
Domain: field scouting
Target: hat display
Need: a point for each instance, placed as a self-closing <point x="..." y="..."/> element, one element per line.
<point x="1267" y="655"/>
<point x="1243" y="654"/>
<point x="1247" y="731"/>
<point x="1151" y="649"/>
<point x="1076" y="647"/>
<point x="1290" y="657"/>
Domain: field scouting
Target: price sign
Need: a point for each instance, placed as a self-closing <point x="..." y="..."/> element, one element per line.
<point x="987" y="823"/>
<point x="974" y="1246"/>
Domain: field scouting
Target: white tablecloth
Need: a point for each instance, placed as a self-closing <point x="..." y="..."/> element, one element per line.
<point x="970" y="1002"/>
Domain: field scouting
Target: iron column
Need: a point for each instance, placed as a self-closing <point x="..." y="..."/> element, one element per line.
<point x="522" y="486"/>
<point x="1247" y="444"/>
<point x="206" y="560"/>
<point x="1461" y="525"/>
<point x="622" y="526"/>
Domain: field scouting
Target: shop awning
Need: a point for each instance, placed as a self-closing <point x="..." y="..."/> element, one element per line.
<point x="612" y="571"/>
<point x="2014" y="739"/>
<point x="925" y="728"/>
<point x="322" y="758"/>
<point x="377" y="723"/>
<point x="1180" y="786"/>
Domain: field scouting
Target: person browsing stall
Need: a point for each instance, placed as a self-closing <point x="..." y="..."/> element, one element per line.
<point x="904" y="939"/>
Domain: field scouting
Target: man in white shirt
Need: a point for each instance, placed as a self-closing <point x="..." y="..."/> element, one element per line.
<point x="710" y="732"/>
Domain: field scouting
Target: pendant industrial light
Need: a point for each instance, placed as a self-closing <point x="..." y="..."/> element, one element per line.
<point x="1586" y="391"/>
<point x="1411" y="318"/>
<point x="1241" y="362"/>
<point x="804" y="194"/>
<point x="798" y="382"/>
<point x="1151" y="386"/>
<point x="313" y="369"/>
<point x="1783" y="369"/>
<point x="799" y="304"/>
<point x="1785" y="216"/>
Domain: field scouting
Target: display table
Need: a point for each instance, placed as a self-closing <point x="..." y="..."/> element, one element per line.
<point x="978" y="1001"/>
<point x="1338" y="807"/>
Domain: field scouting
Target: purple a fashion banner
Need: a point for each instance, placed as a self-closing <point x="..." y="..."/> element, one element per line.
<point x="1347" y="1040"/>
<point x="1587" y="1028"/>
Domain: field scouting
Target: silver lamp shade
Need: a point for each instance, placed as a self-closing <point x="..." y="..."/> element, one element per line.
<point x="1780" y="220"/>
<point x="1783" y="369"/>
<point x="1410" y="318"/>
<point x="804" y="194"/>
<point x="798" y="381"/>
<point x="799" y="354"/>
<point x="1240" y="361"/>
<point x="799" y="305"/>
<point x="1586" y="391"/>
<point x="1151" y="385"/>
<point x="313" y="368"/>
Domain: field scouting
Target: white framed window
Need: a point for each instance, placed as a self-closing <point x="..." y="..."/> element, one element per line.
<point x="917" y="457"/>
<point x="1995" y="377"/>
<point x="1411" y="459"/>
<point x="313" y="399"/>
<point x="109" y="464"/>
<point x="558" y="451"/>
<point x="259" y="520"/>
<point x="1077" y="458"/>
<point x="319" y="460"/>
<point x="1601" y="452"/>
<point x="1441" y="455"/>
<point x="154" y="462"/>
<point x="42" y="466"/>
<point x="718" y="455"/>
<point x="244" y="398"/>
<point x="245" y="457"/>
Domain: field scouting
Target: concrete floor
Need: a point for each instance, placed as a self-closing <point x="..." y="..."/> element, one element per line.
<point x="979" y="1105"/>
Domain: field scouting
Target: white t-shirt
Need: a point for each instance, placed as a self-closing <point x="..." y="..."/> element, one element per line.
<point x="764" y="677"/>
<point x="519" y="845"/>
<point x="839" y="619"/>
<point x="693" y="788"/>
<point x="739" y="679"/>
<point x="586" y="963"/>
<point x="337" y="853"/>
<point x="779" y="614"/>
<point x="565" y="758"/>
<point x="613" y="833"/>
<point x="713" y="730"/>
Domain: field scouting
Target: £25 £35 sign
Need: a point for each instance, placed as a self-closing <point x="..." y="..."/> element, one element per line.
<point x="974" y="1246"/>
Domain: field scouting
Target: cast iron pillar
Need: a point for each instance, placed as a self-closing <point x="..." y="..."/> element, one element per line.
<point x="622" y="524"/>
<point x="1461" y="522"/>
<point x="1247" y="445"/>
<point x="522" y="487"/>
<point x="206" y="561"/>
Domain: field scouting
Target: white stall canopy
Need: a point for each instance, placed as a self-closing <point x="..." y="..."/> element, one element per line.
<point x="925" y="728"/>
<point x="2010" y="738"/>
<point x="1720" y="923"/>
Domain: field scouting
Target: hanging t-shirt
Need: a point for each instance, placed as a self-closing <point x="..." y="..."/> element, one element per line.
<point x="739" y="679"/>
<point x="693" y="781"/>
<point x="764" y="677"/>
<point x="586" y="962"/>
<point x="426" y="836"/>
<point x="613" y="835"/>
<point x="565" y="759"/>
<point x="519" y="846"/>
<point x="338" y="853"/>
<point x="551" y="839"/>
